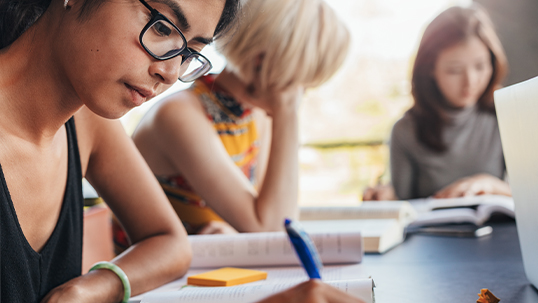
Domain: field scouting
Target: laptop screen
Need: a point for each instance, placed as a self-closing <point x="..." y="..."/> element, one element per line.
<point x="517" y="114"/>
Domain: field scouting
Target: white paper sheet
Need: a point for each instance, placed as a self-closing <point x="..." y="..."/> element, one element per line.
<point x="275" y="275"/>
<point x="360" y="288"/>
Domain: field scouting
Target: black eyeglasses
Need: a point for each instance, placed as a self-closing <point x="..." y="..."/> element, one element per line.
<point x="163" y="40"/>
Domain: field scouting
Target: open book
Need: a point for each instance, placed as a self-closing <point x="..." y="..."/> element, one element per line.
<point x="381" y="223"/>
<point x="348" y="278"/>
<point x="475" y="210"/>
<point x="403" y="211"/>
<point x="269" y="251"/>
<point x="274" y="248"/>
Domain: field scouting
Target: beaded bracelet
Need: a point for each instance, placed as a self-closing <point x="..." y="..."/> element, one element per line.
<point x="118" y="271"/>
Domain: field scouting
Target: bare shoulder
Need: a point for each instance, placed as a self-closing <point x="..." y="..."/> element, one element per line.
<point x="173" y="115"/>
<point x="181" y="107"/>
<point x="172" y="125"/>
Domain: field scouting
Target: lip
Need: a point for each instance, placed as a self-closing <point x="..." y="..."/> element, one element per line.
<point x="139" y="94"/>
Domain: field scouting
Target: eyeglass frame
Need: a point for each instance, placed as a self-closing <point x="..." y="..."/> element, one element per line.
<point x="185" y="52"/>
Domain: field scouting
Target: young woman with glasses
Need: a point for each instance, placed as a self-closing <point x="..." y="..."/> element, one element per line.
<point x="68" y="66"/>
<point x="448" y="144"/>
<point x="226" y="150"/>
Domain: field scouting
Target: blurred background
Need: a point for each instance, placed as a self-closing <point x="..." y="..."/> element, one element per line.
<point x="345" y="124"/>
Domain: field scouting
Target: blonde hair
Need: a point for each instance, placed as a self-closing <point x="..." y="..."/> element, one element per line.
<point x="302" y="42"/>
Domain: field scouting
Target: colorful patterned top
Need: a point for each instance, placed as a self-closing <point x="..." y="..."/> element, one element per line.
<point x="236" y="128"/>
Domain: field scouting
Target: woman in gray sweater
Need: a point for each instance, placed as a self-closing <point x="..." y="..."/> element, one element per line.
<point x="448" y="143"/>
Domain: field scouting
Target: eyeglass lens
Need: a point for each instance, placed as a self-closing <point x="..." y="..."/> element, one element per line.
<point x="164" y="41"/>
<point x="193" y="67"/>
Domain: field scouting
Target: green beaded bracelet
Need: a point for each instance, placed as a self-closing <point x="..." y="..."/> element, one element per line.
<point x="123" y="277"/>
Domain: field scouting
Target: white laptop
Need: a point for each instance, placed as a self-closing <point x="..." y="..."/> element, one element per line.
<point x="517" y="113"/>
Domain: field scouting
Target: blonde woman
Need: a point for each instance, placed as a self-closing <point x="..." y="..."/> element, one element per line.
<point x="225" y="150"/>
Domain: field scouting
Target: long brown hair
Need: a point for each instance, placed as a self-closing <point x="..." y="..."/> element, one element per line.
<point x="452" y="26"/>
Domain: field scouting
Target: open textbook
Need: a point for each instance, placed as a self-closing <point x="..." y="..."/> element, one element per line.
<point x="373" y="218"/>
<point x="273" y="248"/>
<point x="429" y="211"/>
<point x="348" y="278"/>
<point x="475" y="210"/>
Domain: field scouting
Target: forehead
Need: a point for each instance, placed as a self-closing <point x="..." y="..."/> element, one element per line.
<point x="200" y="16"/>
<point x="471" y="49"/>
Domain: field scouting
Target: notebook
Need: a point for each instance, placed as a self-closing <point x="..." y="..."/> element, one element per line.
<point x="517" y="114"/>
<point x="352" y="279"/>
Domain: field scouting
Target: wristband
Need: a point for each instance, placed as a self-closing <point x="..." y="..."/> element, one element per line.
<point x="118" y="271"/>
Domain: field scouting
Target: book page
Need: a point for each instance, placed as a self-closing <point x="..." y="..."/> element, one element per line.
<point x="282" y="274"/>
<point x="271" y="249"/>
<point x="362" y="289"/>
<point x="379" y="235"/>
<point x="485" y="211"/>
<point x="446" y="216"/>
<point x="433" y="204"/>
<point x="458" y="210"/>
<point x="366" y="210"/>
<point x="286" y="275"/>
<point x="349" y="278"/>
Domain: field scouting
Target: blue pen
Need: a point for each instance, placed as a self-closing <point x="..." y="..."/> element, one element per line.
<point x="305" y="249"/>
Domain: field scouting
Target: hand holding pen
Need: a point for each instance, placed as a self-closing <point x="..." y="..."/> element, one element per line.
<point x="312" y="290"/>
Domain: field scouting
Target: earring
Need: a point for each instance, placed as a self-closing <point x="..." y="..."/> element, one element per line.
<point x="65" y="3"/>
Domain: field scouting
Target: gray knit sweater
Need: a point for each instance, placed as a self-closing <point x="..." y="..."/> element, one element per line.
<point x="474" y="146"/>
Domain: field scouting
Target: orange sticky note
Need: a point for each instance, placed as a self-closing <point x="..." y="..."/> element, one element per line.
<point x="226" y="276"/>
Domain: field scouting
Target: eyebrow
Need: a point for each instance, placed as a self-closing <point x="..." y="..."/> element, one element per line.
<point x="183" y="23"/>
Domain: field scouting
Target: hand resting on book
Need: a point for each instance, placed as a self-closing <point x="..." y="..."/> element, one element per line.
<point x="479" y="184"/>
<point x="312" y="291"/>
<point x="379" y="193"/>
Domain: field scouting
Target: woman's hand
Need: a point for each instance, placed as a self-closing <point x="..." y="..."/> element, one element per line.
<point x="379" y="193"/>
<point x="274" y="101"/>
<point x="270" y="100"/>
<point x="480" y="184"/>
<point x="217" y="227"/>
<point x="312" y="291"/>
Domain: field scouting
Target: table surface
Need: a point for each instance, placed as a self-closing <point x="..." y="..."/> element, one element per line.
<point x="440" y="269"/>
<point x="436" y="269"/>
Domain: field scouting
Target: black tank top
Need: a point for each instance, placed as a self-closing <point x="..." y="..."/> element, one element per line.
<point x="27" y="276"/>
